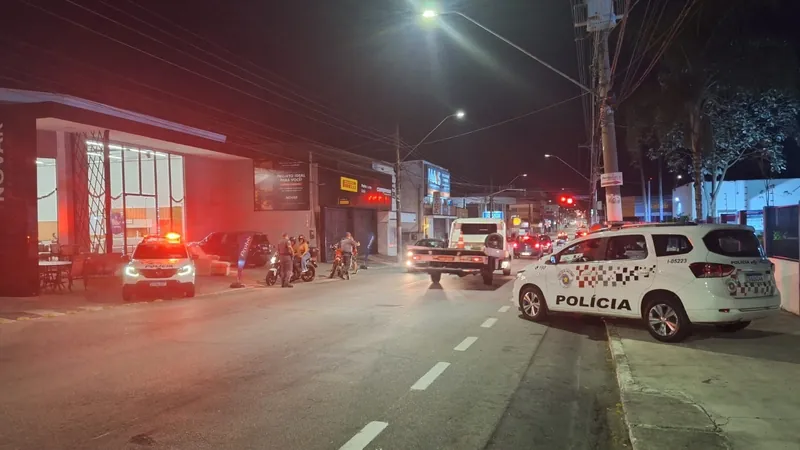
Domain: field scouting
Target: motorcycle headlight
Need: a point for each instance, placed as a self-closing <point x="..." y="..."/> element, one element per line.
<point x="272" y="260"/>
<point x="186" y="270"/>
<point x="131" y="271"/>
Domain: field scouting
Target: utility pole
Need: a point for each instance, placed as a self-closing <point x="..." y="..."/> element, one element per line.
<point x="398" y="212"/>
<point x="608" y="130"/>
<point x="599" y="18"/>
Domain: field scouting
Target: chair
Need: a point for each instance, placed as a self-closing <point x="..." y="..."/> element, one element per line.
<point x="78" y="270"/>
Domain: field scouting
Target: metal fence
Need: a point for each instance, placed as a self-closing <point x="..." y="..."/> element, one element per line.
<point x="782" y="231"/>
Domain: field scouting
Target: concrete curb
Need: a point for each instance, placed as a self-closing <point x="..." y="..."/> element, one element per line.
<point x="625" y="380"/>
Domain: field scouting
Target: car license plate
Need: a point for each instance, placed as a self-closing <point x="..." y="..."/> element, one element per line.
<point x="158" y="284"/>
<point x="444" y="258"/>
<point x="525" y="253"/>
<point x="755" y="278"/>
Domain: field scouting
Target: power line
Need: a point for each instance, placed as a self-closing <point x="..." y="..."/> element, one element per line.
<point x="171" y="63"/>
<point x="512" y="119"/>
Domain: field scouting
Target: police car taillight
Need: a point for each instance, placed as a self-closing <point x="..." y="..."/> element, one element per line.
<point x="711" y="270"/>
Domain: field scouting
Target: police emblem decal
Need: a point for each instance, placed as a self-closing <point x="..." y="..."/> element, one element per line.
<point x="565" y="278"/>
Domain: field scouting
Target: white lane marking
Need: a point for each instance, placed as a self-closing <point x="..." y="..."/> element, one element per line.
<point x="488" y="322"/>
<point x="464" y="345"/>
<point x="362" y="439"/>
<point x="504" y="308"/>
<point x="2" y="320"/>
<point x="430" y="377"/>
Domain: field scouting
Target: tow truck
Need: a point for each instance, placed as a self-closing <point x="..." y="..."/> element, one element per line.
<point x="476" y="247"/>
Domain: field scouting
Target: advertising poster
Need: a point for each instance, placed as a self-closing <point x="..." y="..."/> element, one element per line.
<point x="281" y="186"/>
<point x="438" y="180"/>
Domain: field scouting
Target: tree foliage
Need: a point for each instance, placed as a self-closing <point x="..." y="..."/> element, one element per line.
<point x="725" y="95"/>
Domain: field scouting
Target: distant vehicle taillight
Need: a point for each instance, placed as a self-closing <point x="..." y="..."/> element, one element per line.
<point x="537" y="245"/>
<point x="711" y="270"/>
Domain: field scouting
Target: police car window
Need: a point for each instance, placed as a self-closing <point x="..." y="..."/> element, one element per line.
<point x="626" y="247"/>
<point x="478" y="228"/>
<point x="671" y="244"/>
<point x="734" y="243"/>
<point x="586" y="251"/>
<point x="160" y="250"/>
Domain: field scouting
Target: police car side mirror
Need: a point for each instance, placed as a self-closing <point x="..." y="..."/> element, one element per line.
<point x="552" y="260"/>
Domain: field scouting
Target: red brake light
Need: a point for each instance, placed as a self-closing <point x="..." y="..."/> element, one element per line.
<point x="569" y="201"/>
<point x="711" y="270"/>
<point x="515" y="245"/>
<point x="537" y="245"/>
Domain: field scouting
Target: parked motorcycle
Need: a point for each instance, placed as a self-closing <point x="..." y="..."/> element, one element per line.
<point x="338" y="262"/>
<point x="274" y="273"/>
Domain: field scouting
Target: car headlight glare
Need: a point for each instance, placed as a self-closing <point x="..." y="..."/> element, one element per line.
<point x="272" y="260"/>
<point x="131" y="271"/>
<point x="186" y="270"/>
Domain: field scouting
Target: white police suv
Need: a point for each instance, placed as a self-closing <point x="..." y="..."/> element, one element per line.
<point x="159" y="264"/>
<point x="668" y="275"/>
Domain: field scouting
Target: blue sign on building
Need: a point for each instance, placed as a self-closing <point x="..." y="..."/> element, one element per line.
<point x="438" y="180"/>
<point x="493" y="214"/>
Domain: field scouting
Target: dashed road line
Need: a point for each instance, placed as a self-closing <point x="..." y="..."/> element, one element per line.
<point x="2" y="320"/>
<point x="430" y="377"/>
<point x="362" y="439"/>
<point x="488" y="322"/>
<point x="504" y="309"/>
<point x="465" y="344"/>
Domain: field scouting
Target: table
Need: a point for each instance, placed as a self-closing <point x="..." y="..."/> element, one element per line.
<point x="52" y="275"/>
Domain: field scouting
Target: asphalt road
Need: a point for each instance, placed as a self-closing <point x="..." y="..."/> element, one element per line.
<point x="383" y="361"/>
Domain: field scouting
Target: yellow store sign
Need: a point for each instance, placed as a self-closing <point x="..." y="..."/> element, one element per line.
<point x="348" y="184"/>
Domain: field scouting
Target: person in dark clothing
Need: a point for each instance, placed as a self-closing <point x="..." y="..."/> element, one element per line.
<point x="286" y="254"/>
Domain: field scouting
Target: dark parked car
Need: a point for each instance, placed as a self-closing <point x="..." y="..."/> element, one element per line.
<point x="528" y="247"/>
<point x="227" y="246"/>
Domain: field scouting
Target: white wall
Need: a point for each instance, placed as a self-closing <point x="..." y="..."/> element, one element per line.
<point x="45" y="183"/>
<point x="787" y="275"/>
<point x="220" y="197"/>
<point x="739" y="195"/>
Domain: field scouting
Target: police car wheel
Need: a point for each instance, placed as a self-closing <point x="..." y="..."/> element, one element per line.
<point x="733" y="327"/>
<point x="127" y="295"/>
<point x="532" y="304"/>
<point x="666" y="320"/>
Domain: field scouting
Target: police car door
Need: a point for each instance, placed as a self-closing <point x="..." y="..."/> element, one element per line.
<point x="570" y="287"/>
<point x="625" y="275"/>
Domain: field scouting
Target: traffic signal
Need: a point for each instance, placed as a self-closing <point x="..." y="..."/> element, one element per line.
<point x="566" y="201"/>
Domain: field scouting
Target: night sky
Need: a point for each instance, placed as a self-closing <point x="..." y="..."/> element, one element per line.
<point x="373" y="63"/>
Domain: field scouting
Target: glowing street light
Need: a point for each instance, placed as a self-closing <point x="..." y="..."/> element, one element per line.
<point x="460" y="114"/>
<point x="429" y="14"/>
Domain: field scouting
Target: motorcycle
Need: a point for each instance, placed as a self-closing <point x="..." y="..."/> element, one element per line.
<point x="274" y="273"/>
<point x="338" y="262"/>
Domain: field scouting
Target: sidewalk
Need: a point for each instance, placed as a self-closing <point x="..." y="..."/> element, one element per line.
<point x="105" y="293"/>
<point x="713" y="391"/>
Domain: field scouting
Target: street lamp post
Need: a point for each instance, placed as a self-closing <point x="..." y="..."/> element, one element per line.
<point x="398" y="212"/>
<point x="432" y="14"/>
<point x="570" y="166"/>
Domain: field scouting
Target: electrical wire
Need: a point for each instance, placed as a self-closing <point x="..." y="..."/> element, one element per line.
<point x="171" y="63"/>
<point x="512" y="119"/>
<point x="379" y="134"/>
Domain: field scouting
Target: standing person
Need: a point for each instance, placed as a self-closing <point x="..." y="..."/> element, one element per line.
<point x="348" y="246"/>
<point x="286" y="253"/>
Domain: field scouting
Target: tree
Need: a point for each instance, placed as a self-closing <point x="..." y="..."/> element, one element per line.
<point x="717" y="54"/>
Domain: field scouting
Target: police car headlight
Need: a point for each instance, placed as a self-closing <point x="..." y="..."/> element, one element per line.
<point x="186" y="270"/>
<point x="272" y="260"/>
<point x="131" y="271"/>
